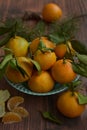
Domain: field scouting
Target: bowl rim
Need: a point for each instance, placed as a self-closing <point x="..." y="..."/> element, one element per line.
<point x="26" y="90"/>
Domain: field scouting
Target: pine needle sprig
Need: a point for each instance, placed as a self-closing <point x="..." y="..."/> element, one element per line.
<point x="63" y="30"/>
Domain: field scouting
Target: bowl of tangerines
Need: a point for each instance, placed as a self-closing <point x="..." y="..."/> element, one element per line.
<point x="46" y="58"/>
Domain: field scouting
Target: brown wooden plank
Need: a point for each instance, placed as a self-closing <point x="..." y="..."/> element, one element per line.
<point x="34" y="104"/>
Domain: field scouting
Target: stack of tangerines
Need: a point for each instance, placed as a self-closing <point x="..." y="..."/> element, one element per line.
<point x="54" y="68"/>
<point x="50" y="59"/>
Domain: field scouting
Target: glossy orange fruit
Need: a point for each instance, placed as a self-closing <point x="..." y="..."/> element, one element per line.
<point x="62" y="71"/>
<point x="18" y="46"/>
<point x="15" y="75"/>
<point x="34" y="44"/>
<point x="46" y="60"/>
<point x="41" y="82"/>
<point x="68" y="105"/>
<point x="60" y="50"/>
<point x="51" y="12"/>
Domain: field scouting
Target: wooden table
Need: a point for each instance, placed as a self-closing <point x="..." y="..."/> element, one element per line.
<point x="34" y="104"/>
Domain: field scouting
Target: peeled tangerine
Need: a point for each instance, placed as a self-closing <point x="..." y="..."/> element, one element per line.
<point x="11" y="117"/>
<point x="21" y="111"/>
<point x="15" y="75"/>
<point x="14" y="102"/>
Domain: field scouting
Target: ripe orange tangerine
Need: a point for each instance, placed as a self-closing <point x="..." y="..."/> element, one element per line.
<point x="51" y="12"/>
<point x="67" y="104"/>
<point x="60" y="50"/>
<point x="46" y="60"/>
<point x="62" y="71"/>
<point x="34" y="44"/>
<point x="15" y="75"/>
<point x="41" y="82"/>
<point x="18" y="46"/>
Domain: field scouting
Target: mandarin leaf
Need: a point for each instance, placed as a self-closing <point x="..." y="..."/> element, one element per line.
<point x="5" y="60"/>
<point x="20" y="69"/>
<point x="79" y="46"/>
<point x="80" y="69"/>
<point x="82" y="58"/>
<point x="36" y="65"/>
<point x="49" y="116"/>
<point x="82" y="99"/>
<point x="5" y="40"/>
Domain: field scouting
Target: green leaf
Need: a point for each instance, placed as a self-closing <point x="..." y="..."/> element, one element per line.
<point x="5" y="40"/>
<point x="4" y="30"/>
<point x="73" y="86"/>
<point x="63" y="30"/>
<point x="49" y="116"/>
<point x="7" y="26"/>
<point x="58" y="38"/>
<point x="41" y="45"/>
<point x="82" y="58"/>
<point x="13" y="63"/>
<point x="19" y="68"/>
<point x="2" y="72"/>
<point x="76" y="83"/>
<point x="79" y="47"/>
<point x="7" y="49"/>
<point x="82" y="99"/>
<point x="80" y="69"/>
<point x="36" y="65"/>
<point x="5" y="61"/>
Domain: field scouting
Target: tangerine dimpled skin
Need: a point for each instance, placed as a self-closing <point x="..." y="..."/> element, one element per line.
<point x="18" y="46"/>
<point x="68" y="105"/>
<point x="62" y="71"/>
<point x="46" y="60"/>
<point x="51" y="12"/>
<point x="41" y="82"/>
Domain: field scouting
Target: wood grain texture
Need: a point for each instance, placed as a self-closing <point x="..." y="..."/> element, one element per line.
<point x="35" y="104"/>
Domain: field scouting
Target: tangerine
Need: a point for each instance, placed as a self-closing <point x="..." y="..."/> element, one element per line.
<point x="60" y="50"/>
<point x="41" y="82"/>
<point x="35" y="43"/>
<point x="14" y="102"/>
<point x="45" y="60"/>
<point x="15" y="75"/>
<point x="67" y="104"/>
<point x="62" y="71"/>
<point x="51" y="12"/>
<point x="18" y="45"/>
